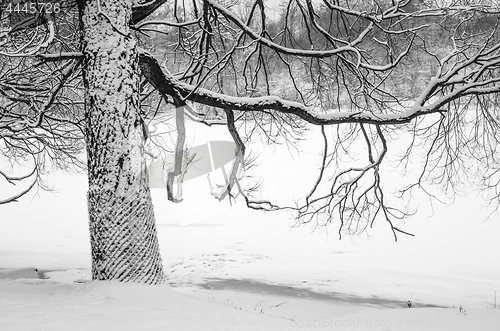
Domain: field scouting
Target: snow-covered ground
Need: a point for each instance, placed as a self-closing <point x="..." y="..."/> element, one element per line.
<point x="239" y="269"/>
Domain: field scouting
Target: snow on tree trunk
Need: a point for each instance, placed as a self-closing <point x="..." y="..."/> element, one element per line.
<point x="123" y="233"/>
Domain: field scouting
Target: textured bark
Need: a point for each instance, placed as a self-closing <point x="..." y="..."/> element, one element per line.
<point x="122" y="225"/>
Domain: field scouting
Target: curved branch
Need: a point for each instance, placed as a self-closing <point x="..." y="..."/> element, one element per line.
<point x="13" y="179"/>
<point x="163" y="81"/>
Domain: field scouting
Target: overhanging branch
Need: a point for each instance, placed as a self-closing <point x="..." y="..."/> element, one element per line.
<point x="164" y="82"/>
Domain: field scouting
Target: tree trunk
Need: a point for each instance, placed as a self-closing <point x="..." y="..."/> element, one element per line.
<point x="123" y="233"/>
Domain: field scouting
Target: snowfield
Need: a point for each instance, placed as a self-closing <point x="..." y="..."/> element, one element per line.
<point x="28" y="304"/>
<point x="230" y="268"/>
<point x="242" y="270"/>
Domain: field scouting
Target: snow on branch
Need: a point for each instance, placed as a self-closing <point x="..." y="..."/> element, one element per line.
<point x="355" y="193"/>
<point x="286" y="50"/>
<point x="40" y="35"/>
<point x="13" y="180"/>
<point x="164" y="82"/>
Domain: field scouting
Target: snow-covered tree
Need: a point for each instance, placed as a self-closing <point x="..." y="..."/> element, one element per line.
<point x="361" y="71"/>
